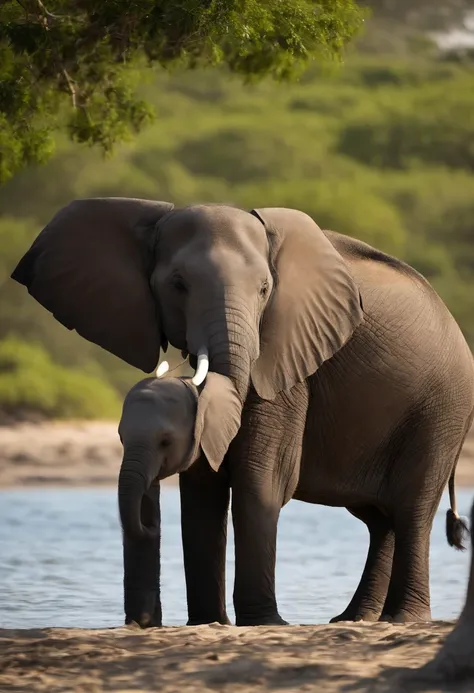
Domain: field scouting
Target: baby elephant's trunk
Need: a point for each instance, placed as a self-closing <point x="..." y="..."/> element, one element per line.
<point x="456" y="528"/>
<point x="137" y="517"/>
<point x="139" y="507"/>
<point x="141" y="558"/>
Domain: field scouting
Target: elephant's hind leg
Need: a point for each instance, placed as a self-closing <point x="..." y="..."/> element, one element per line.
<point x="369" y="597"/>
<point x="408" y="598"/>
<point x="430" y="456"/>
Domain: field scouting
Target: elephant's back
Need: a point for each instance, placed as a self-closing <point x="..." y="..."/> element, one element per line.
<point x="396" y="296"/>
<point x="405" y="318"/>
<point x="408" y="358"/>
<point x="377" y="272"/>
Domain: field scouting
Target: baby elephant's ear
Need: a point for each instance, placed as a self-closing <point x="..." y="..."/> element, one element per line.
<point x="218" y="418"/>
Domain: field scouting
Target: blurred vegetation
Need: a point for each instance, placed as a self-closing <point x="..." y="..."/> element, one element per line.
<point x="381" y="149"/>
<point x="31" y="383"/>
<point x="422" y="14"/>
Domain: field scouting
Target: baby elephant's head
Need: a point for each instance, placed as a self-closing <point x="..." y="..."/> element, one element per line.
<point x="166" y="423"/>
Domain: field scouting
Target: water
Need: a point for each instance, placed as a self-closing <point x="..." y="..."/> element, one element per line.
<point x="61" y="560"/>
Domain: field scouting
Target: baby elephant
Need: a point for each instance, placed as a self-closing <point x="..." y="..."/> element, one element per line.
<point x="166" y="423"/>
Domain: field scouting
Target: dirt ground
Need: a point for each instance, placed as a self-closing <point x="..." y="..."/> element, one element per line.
<point x="325" y="659"/>
<point x="89" y="454"/>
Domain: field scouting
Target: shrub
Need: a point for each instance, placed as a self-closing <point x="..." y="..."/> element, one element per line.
<point x="30" y="382"/>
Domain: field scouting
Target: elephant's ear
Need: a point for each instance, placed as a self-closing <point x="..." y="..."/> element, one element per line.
<point x="315" y="305"/>
<point x="88" y="267"/>
<point x="218" y="418"/>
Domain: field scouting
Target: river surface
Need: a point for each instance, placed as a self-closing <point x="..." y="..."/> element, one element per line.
<point x="61" y="560"/>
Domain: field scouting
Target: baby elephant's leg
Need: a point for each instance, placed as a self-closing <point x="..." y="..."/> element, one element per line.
<point x="142" y="563"/>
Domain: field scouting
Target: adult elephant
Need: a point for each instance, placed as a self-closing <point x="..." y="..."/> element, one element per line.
<point x="354" y="383"/>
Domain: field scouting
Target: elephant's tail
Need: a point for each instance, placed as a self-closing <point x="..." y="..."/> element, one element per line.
<point x="456" y="528"/>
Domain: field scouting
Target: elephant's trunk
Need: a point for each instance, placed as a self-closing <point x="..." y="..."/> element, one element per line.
<point x="230" y="337"/>
<point x="235" y="366"/>
<point x="136" y="475"/>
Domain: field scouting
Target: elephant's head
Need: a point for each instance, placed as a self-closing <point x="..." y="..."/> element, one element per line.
<point x="164" y="426"/>
<point x="263" y="293"/>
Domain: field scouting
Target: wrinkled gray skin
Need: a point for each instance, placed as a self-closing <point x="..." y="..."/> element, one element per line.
<point x="161" y="434"/>
<point x="355" y="384"/>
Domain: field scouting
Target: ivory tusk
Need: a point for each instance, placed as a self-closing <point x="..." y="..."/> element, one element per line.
<point x="202" y="367"/>
<point x="162" y="369"/>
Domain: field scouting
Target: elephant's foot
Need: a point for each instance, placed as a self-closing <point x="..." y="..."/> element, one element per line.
<point x="407" y="616"/>
<point x="145" y="621"/>
<point x="359" y="615"/>
<point x="275" y="620"/>
<point x="454" y="661"/>
<point x="141" y="611"/>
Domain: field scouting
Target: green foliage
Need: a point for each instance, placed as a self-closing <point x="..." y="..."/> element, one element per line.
<point x="406" y="186"/>
<point x="74" y="65"/>
<point x="31" y="382"/>
<point x="430" y="126"/>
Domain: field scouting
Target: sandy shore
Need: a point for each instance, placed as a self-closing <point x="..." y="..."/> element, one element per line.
<point x="89" y="454"/>
<point x="324" y="659"/>
<point x="77" y="453"/>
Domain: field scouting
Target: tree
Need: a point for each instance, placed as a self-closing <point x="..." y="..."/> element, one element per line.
<point x="73" y="65"/>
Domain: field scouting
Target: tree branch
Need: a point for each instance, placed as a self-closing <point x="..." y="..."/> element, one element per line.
<point x="44" y="21"/>
<point x="71" y="87"/>
<point x="46" y="12"/>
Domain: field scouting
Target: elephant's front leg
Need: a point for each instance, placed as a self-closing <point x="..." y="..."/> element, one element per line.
<point x="264" y="463"/>
<point x="142" y="563"/>
<point x="204" y="512"/>
<point x="255" y="519"/>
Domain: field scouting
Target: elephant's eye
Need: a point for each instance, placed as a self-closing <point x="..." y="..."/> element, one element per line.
<point x="165" y="443"/>
<point x="264" y="288"/>
<point x="178" y="283"/>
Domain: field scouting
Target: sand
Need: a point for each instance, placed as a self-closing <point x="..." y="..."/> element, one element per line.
<point x="89" y="453"/>
<point x="339" y="657"/>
